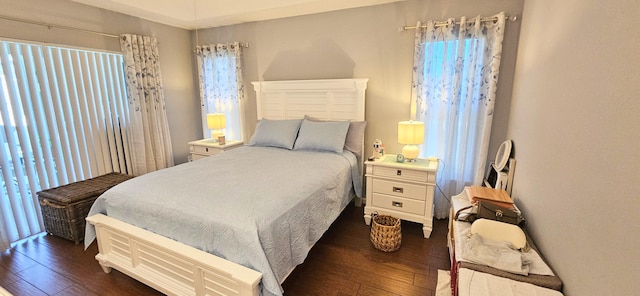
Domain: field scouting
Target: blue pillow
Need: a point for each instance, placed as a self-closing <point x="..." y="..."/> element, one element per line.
<point x="276" y="133"/>
<point x="355" y="135"/>
<point x="322" y="136"/>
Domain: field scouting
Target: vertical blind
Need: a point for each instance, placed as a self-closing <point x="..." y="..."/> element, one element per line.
<point x="61" y="120"/>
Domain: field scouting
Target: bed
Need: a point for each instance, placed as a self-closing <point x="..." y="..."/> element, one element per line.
<point x="237" y="223"/>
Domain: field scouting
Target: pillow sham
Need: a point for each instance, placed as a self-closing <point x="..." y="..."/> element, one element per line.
<point x="322" y="136"/>
<point x="276" y="133"/>
<point x="355" y="135"/>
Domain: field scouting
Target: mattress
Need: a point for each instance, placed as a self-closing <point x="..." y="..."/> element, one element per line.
<point x="260" y="207"/>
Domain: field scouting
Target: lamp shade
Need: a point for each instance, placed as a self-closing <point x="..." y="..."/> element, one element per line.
<point x="410" y="132"/>
<point x="216" y="121"/>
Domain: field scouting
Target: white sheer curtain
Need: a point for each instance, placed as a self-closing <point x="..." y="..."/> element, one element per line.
<point x="221" y="85"/>
<point x="455" y="77"/>
<point x="60" y="117"/>
<point x="148" y="126"/>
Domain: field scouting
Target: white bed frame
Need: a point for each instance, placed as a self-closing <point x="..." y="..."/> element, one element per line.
<point x="177" y="269"/>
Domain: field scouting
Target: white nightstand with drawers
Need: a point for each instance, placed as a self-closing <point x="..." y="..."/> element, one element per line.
<point x="203" y="148"/>
<point x="403" y="190"/>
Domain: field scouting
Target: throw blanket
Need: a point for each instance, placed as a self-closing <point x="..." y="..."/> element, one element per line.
<point x="260" y="207"/>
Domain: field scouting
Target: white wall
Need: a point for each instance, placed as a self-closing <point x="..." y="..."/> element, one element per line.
<point x="183" y="110"/>
<point x="362" y="43"/>
<point x="575" y="122"/>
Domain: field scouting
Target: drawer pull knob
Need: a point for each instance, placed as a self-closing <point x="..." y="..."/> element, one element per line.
<point x="206" y="149"/>
<point x="396" y="204"/>
<point x="399" y="172"/>
<point x="398" y="189"/>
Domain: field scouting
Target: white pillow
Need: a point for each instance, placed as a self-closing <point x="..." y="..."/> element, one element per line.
<point x="499" y="231"/>
<point x="276" y="133"/>
<point x="322" y="136"/>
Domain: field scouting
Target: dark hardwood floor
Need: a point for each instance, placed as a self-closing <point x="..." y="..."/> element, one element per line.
<point x="343" y="262"/>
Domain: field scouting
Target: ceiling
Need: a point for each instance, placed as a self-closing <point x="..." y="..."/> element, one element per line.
<point x="192" y="14"/>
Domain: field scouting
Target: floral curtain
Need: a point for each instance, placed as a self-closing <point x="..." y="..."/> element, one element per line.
<point x="455" y="76"/>
<point x="221" y="86"/>
<point x="149" y="136"/>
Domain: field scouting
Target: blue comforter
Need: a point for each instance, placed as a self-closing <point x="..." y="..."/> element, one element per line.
<point x="260" y="207"/>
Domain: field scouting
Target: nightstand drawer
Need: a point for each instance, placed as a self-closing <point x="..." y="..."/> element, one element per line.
<point x="198" y="156"/>
<point x="202" y="150"/>
<point x="404" y="174"/>
<point x="206" y="147"/>
<point x="399" y="189"/>
<point x="398" y="204"/>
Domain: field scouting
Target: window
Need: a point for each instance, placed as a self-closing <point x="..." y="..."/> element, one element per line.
<point x="60" y="121"/>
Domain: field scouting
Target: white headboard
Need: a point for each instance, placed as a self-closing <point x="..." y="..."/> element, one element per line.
<point x="329" y="99"/>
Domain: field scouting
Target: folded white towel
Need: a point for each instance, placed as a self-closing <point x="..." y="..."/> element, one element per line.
<point x="497" y="254"/>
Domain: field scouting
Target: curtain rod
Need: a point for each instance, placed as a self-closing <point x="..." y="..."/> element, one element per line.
<point x="57" y="26"/>
<point x="482" y="19"/>
<point x="242" y="44"/>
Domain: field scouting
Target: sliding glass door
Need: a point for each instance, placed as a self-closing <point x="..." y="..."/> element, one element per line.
<point x="61" y="120"/>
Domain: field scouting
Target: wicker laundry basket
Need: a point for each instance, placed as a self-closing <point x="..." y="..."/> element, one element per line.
<point x="65" y="208"/>
<point x="386" y="234"/>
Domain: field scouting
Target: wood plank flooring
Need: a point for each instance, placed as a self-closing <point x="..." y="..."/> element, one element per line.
<point x="343" y="262"/>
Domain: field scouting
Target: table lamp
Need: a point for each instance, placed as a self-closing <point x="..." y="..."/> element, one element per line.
<point x="410" y="133"/>
<point x="216" y="122"/>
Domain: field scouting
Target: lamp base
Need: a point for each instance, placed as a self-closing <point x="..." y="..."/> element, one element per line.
<point x="410" y="152"/>
<point x="215" y="134"/>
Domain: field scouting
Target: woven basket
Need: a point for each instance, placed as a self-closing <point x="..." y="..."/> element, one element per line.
<point x="386" y="234"/>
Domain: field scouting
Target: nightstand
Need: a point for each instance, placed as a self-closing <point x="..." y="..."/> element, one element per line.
<point x="206" y="147"/>
<point x="403" y="190"/>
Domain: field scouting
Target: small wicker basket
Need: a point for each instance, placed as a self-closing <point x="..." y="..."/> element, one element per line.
<point x="386" y="234"/>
